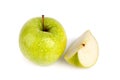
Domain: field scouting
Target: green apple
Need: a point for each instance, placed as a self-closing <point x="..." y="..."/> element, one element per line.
<point x="83" y="52"/>
<point x="42" y="40"/>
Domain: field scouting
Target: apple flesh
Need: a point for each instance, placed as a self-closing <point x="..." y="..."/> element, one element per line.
<point x="83" y="52"/>
<point x="42" y="46"/>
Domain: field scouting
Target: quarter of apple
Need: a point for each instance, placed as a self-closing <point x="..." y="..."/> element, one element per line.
<point x="83" y="52"/>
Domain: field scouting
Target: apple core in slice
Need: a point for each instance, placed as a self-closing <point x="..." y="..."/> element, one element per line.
<point x="83" y="52"/>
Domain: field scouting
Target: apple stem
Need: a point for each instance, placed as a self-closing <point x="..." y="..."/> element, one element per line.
<point x="43" y="22"/>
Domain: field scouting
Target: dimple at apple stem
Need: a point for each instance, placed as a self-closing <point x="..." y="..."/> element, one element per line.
<point x="43" y="22"/>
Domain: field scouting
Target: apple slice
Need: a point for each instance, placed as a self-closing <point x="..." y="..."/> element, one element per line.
<point x="83" y="52"/>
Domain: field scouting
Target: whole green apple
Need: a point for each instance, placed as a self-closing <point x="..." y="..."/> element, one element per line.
<point x="42" y="40"/>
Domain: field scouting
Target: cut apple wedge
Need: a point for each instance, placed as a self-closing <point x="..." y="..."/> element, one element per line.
<point x="83" y="52"/>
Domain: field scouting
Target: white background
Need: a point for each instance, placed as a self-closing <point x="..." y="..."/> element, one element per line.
<point x="102" y="17"/>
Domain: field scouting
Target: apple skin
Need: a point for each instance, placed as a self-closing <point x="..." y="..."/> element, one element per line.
<point x="39" y="46"/>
